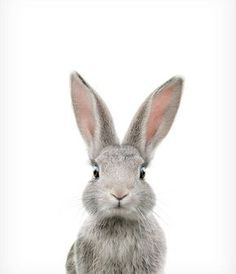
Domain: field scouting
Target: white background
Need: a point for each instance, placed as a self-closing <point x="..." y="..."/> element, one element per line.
<point x="124" y="50"/>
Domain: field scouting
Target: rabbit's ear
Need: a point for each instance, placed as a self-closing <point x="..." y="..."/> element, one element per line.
<point x="92" y="116"/>
<point x="154" y="118"/>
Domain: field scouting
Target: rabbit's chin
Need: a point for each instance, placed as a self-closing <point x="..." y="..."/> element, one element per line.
<point x="121" y="212"/>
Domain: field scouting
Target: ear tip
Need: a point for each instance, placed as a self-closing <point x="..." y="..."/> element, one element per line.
<point x="74" y="75"/>
<point x="179" y="80"/>
<point x="175" y="83"/>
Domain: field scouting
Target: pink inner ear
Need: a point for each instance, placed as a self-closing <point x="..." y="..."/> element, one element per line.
<point x="159" y="106"/>
<point x="86" y="116"/>
<point x="84" y="110"/>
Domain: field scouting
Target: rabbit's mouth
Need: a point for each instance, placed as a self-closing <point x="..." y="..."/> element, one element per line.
<point x="119" y="205"/>
<point x="122" y="211"/>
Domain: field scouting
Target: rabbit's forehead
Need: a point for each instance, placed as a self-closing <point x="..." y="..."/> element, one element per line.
<point x="125" y="156"/>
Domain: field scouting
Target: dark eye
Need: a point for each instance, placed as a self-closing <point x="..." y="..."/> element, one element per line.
<point x="95" y="172"/>
<point x="142" y="173"/>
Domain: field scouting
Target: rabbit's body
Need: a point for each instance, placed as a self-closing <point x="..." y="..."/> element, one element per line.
<point x="117" y="245"/>
<point x="121" y="235"/>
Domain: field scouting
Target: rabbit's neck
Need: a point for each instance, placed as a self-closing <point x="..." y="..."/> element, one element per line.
<point x="116" y="226"/>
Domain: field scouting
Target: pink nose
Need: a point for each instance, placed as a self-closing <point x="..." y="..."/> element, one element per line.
<point x="119" y="196"/>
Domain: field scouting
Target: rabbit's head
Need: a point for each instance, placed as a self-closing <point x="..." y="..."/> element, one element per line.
<point x="118" y="186"/>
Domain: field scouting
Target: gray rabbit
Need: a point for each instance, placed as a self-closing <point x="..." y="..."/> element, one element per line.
<point x="121" y="235"/>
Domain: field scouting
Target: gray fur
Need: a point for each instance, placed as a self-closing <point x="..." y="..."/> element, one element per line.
<point x="125" y="239"/>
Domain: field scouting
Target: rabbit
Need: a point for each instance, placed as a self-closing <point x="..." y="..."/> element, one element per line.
<point x="121" y="234"/>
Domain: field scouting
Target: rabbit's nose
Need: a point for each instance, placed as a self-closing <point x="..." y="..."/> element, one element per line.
<point x="119" y="196"/>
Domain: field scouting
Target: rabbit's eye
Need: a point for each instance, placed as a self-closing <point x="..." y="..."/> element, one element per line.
<point x="95" y="172"/>
<point x="142" y="173"/>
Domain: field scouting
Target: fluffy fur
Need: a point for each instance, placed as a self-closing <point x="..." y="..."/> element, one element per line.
<point x="121" y="235"/>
